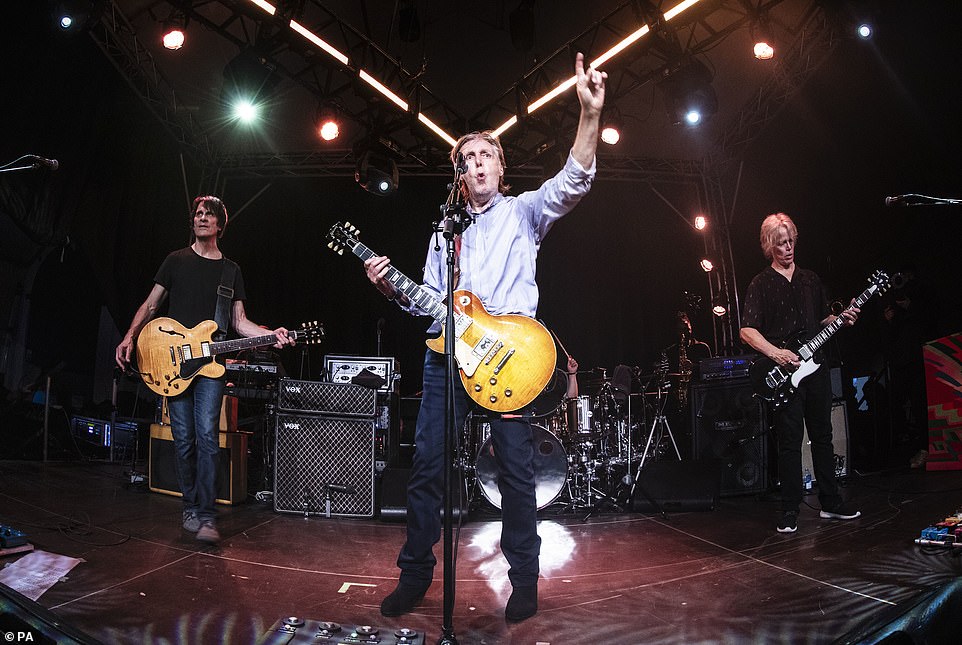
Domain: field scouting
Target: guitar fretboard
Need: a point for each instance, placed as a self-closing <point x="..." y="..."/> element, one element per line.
<point x="829" y="330"/>
<point x="238" y="344"/>
<point x="423" y="299"/>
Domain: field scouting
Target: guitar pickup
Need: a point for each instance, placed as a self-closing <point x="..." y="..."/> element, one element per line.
<point x="494" y="352"/>
<point x="483" y="346"/>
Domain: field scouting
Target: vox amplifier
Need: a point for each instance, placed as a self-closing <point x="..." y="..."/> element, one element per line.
<point x="336" y="399"/>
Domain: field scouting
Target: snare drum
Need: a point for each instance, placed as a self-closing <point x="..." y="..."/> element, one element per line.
<point x="550" y="468"/>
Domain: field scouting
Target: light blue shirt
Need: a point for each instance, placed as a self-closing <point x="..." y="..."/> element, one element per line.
<point x="499" y="250"/>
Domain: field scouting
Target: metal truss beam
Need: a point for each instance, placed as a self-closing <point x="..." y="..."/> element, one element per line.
<point x="116" y="37"/>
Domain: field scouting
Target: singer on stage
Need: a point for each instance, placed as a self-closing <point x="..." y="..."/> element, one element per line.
<point x="496" y="260"/>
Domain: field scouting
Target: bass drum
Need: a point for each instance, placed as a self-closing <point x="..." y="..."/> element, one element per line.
<point x="550" y="468"/>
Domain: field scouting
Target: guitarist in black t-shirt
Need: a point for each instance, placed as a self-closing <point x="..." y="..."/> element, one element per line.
<point x="781" y="301"/>
<point x="189" y="280"/>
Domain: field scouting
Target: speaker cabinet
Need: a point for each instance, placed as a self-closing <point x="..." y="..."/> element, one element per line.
<point x="728" y="424"/>
<point x="324" y="465"/>
<point x="839" y="440"/>
<point x="231" y="466"/>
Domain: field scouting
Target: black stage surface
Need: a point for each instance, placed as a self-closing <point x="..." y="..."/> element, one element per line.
<point x="698" y="577"/>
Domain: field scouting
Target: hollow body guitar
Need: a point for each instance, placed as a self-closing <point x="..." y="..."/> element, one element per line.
<point x="170" y="355"/>
<point x="505" y="361"/>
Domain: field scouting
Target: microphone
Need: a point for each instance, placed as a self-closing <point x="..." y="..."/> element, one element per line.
<point x="38" y="162"/>
<point x="895" y="200"/>
<point x="460" y="164"/>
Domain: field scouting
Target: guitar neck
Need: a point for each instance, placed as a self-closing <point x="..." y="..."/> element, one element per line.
<point x="423" y="299"/>
<point x="829" y="330"/>
<point x="224" y="346"/>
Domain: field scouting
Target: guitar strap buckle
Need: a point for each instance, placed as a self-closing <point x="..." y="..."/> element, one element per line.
<point x="224" y="291"/>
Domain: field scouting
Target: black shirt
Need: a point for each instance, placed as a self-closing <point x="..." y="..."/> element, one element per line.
<point x="191" y="282"/>
<point x="779" y="308"/>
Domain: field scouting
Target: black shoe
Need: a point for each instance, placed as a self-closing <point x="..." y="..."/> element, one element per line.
<point x="208" y="533"/>
<point x="522" y="604"/>
<point x="788" y="522"/>
<point x="403" y="599"/>
<point x="840" y="512"/>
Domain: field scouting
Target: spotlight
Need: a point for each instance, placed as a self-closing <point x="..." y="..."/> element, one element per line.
<point x="249" y="80"/>
<point x="611" y="128"/>
<point x="864" y="31"/>
<point x="701" y="222"/>
<point x="763" y="47"/>
<point x="706" y="265"/>
<point x="326" y="123"/>
<point x="376" y="172"/>
<point x="689" y="96"/>
<point x="174" y="27"/>
<point x="174" y="38"/>
<point x="75" y="15"/>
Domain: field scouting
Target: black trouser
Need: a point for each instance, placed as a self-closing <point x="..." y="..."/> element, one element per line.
<point x="811" y="404"/>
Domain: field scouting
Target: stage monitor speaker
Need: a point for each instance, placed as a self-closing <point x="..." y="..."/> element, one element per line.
<point x="839" y="439"/>
<point x="728" y="424"/>
<point x="678" y="486"/>
<point x="231" y="466"/>
<point x="24" y="621"/>
<point x="324" y="459"/>
<point x="932" y="618"/>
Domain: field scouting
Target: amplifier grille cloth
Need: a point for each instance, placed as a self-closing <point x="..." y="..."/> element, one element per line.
<point x="339" y="399"/>
<point x="313" y="452"/>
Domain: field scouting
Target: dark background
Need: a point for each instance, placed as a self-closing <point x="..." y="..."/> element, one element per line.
<point x="80" y="245"/>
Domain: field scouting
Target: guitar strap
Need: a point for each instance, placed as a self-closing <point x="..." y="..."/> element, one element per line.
<point x="225" y="296"/>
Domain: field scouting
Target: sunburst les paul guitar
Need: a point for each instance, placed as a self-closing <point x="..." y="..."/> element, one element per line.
<point x="504" y="361"/>
<point x="169" y="355"/>
<point x="777" y="383"/>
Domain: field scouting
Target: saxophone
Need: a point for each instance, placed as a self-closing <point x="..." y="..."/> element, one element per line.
<point x="684" y="371"/>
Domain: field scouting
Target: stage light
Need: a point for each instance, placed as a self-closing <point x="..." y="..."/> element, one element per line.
<point x="75" y="15"/>
<point x="611" y="128"/>
<point x="249" y="81"/>
<point x="246" y="111"/>
<point x="763" y="47"/>
<point x="701" y="222"/>
<point x="706" y="265"/>
<point x="376" y="172"/>
<point x="688" y="94"/>
<point x="327" y="123"/>
<point x="174" y="30"/>
<point x="864" y="31"/>
<point x="174" y="39"/>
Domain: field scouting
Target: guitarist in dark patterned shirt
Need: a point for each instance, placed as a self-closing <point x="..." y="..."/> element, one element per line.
<point x="782" y="301"/>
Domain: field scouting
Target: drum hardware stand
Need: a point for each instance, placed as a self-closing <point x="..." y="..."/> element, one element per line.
<point x="660" y="423"/>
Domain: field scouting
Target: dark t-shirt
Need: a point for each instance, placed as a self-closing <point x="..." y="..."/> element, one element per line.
<point x="778" y="308"/>
<point x="191" y="282"/>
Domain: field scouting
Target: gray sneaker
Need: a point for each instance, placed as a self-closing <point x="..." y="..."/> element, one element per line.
<point x="208" y="532"/>
<point x="191" y="521"/>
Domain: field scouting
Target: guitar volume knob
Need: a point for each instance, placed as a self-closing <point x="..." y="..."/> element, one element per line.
<point x="493" y="398"/>
<point x="507" y="392"/>
<point x="493" y="381"/>
<point x="477" y="387"/>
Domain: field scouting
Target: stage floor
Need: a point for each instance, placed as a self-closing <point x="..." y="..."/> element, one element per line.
<point x="698" y="577"/>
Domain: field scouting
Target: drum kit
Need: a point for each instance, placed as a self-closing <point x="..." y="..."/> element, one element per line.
<point x="588" y="450"/>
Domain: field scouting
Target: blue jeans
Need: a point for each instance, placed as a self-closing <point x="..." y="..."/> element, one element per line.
<point x="514" y="454"/>
<point x="194" y="421"/>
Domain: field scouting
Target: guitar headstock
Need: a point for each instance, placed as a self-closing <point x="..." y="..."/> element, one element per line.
<point x="310" y="333"/>
<point x="880" y="279"/>
<point x="343" y="236"/>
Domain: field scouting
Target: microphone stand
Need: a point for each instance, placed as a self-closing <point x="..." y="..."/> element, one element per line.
<point x="455" y="220"/>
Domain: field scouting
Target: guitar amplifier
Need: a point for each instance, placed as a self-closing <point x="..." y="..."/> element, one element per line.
<point x="324" y="459"/>
<point x="336" y="399"/>
<point x="355" y="369"/>
<point x="725" y="367"/>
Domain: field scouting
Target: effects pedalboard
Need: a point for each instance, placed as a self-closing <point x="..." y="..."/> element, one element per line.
<point x="294" y="630"/>
<point x="10" y="537"/>
<point x="947" y="532"/>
